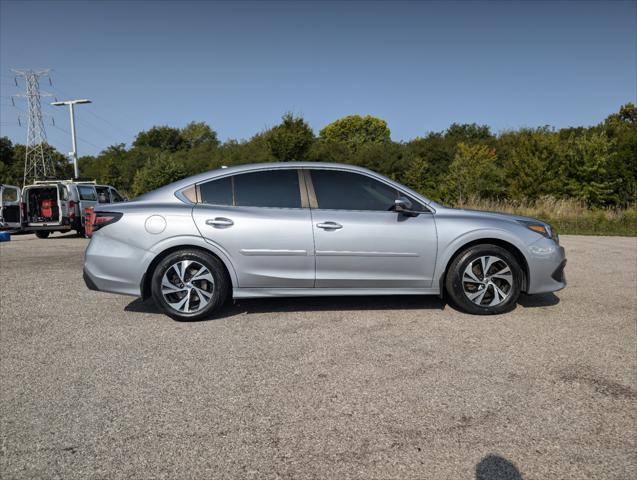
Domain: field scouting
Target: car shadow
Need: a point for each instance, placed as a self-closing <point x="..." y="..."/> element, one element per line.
<point x="308" y="304"/>
<point x="338" y="303"/>
<point x="495" y="467"/>
<point x="539" y="300"/>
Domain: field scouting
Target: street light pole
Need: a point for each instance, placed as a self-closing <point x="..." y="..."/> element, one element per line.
<point x="71" y="104"/>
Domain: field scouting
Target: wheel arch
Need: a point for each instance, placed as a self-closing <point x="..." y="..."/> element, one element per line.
<point x="510" y="247"/>
<point x="145" y="285"/>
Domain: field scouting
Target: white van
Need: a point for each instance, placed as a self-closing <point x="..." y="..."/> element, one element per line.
<point x="60" y="205"/>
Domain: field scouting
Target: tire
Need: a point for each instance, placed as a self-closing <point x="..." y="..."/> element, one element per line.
<point x="42" y="234"/>
<point x="179" y="292"/>
<point x="81" y="232"/>
<point x="472" y="293"/>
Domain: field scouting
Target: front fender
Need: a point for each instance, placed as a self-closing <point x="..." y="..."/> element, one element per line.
<point x="448" y="248"/>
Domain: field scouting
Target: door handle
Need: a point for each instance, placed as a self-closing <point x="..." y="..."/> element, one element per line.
<point x="329" y="225"/>
<point x="219" y="222"/>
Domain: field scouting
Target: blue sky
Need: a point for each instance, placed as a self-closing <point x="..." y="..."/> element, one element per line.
<point x="239" y="66"/>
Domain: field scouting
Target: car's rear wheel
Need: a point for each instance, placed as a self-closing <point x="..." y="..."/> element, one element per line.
<point x="189" y="284"/>
<point x="42" y="233"/>
<point x="484" y="280"/>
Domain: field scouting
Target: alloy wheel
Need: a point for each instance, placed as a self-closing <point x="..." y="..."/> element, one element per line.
<point x="187" y="286"/>
<point x="487" y="281"/>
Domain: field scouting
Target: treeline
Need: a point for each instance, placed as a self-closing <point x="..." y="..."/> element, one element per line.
<point x="596" y="165"/>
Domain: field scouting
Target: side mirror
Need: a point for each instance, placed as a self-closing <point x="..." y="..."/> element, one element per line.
<point x="403" y="205"/>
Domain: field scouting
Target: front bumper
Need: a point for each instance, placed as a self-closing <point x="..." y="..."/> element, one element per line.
<point x="546" y="260"/>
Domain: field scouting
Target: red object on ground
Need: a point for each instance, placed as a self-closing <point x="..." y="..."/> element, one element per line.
<point x="46" y="208"/>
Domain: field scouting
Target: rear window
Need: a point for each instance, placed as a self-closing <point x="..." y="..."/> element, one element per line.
<point x="87" y="193"/>
<point x="9" y="195"/>
<point x="64" y="193"/>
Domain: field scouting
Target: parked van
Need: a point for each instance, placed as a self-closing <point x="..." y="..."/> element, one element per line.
<point x="60" y="205"/>
<point x="10" y="207"/>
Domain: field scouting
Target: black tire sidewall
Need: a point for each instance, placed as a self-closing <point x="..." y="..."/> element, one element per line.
<point x="454" y="280"/>
<point x="217" y="271"/>
<point x="42" y="234"/>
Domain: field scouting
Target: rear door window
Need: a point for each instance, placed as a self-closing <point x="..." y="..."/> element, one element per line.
<point x="87" y="193"/>
<point x="102" y="195"/>
<point x="115" y="196"/>
<point x="217" y="192"/>
<point x="269" y="188"/>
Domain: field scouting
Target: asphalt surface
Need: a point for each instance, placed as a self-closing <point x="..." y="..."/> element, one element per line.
<point x="95" y="385"/>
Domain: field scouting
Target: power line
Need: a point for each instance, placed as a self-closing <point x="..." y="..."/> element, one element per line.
<point x="96" y="129"/>
<point x="92" y="112"/>
<point x="79" y="138"/>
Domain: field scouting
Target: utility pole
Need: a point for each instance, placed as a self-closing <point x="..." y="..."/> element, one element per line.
<point x="37" y="162"/>
<point x="71" y="104"/>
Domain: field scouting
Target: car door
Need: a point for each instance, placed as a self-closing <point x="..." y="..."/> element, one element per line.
<point x="261" y="220"/>
<point x="63" y="197"/>
<point x="360" y="242"/>
<point x="10" y="211"/>
<point x="87" y="197"/>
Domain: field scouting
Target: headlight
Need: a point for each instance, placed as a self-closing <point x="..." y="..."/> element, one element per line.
<point x="543" y="229"/>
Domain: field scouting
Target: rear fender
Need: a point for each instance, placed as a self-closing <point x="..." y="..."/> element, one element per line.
<point x="186" y="241"/>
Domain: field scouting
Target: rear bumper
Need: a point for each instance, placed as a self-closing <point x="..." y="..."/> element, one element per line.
<point x="114" y="266"/>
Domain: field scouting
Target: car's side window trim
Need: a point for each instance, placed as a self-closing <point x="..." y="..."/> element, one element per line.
<point x="304" y="173"/>
<point x="303" y="192"/>
<point x="313" y="199"/>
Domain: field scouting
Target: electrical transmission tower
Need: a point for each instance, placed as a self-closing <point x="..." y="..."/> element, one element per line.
<point x="37" y="163"/>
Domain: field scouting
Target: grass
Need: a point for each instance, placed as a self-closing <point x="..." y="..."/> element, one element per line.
<point x="568" y="216"/>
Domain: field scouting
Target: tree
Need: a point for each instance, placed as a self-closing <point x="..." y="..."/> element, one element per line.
<point x="291" y="139"/>
<point x="8" y="172"/>
<point x="427" y="162"/>
<point x="199" y="133"/>
<point x="468" y="132"/>
<point x="355" y="131"/>
<point x="530" y="160"/>
<point x="593" y="172"/>
<point x="162" y="138"/>
<point x="473" y="173"/>
<point x="156" y="174"/>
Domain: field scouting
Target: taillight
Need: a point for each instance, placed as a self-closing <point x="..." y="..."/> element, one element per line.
<point x="96" y="220"/>
<point x="72" y="209"/>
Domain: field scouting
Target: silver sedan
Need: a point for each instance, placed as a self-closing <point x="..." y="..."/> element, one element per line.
<point x="308" y="229"/>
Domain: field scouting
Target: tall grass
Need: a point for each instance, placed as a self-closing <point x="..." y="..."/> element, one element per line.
<point x="568" y="216"/>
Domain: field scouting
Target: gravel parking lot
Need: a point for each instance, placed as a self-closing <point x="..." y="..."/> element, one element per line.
<point x="95" y="385"/>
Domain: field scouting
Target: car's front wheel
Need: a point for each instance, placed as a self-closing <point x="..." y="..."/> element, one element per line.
<point x="189" y="284"/>
<point x="484" y="280"/>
